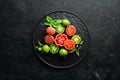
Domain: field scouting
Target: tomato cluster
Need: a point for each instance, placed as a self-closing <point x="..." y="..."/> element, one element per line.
<point x="61" y="39"/>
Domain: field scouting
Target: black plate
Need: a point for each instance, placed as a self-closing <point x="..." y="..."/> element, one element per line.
<point x="55" y="60"/>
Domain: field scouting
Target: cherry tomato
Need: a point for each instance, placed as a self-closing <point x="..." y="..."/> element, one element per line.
<point x="60" y="39"/>
<point x="69" y="44"/>
<point x="76" y="39"/>
<point x="70" y="30"/>
<point x="63" y="52"/>
<point x="65" y="22"/>
<point x="60" y="29"/>
<point x="45" y="48"/>
<point x="50" y="30"/>
<point x="49" y="39"/>
<point x="54" y="49"/>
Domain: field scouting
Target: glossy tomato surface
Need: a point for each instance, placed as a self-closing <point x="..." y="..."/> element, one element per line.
<point x="60" y="39"/>
<point x="69" y="44"/>
<point x="70" y="30"/>
<point x="49" y="39"/>
<point x="50" y="30"/>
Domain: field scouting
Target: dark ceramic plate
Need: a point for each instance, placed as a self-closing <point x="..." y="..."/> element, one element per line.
<point x="55" y="60"/>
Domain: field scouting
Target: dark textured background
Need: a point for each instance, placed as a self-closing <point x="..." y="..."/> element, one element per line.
<point x="18" y="60"/>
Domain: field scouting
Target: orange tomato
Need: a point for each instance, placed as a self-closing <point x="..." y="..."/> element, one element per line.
<point x="70" y="30"/>
<point x="60" y="39"/>
<point x="69" y="44"/>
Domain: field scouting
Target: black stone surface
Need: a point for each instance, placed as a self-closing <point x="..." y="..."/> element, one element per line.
<point x="17" y="57"/>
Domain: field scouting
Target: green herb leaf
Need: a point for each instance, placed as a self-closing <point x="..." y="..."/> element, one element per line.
<point x="55" y="25"/>
<point x="39" y="43"/>
<point x="53" y="22"/>
<point x="81" y="42"/>
<point x="56" y="21"/>
<point x="59" y="21"/>
<point x="48" y="18"/>
<point x="60" y="28"/>
<point x="72" y="51"/>
<point x="77" y="52"/>
<point x="47" y="24"/>
<point x="38" y="48"/>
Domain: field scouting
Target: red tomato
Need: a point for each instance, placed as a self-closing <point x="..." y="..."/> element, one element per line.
<point x="49" y="39"/>
<point x="69" y="44"/>
<point x="60" y="39"/>
<point x="50" y="30"/>
<point x="70" y="30"/>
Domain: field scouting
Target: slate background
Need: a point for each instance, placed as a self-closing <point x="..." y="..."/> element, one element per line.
<point x="17" y="57"/>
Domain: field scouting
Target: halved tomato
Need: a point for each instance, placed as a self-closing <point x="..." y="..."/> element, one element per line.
<point x="76" y="38"/>
<point x="70" y="30"/>
<point x="69" y="44"/>
<point x="49" y="39"/>
<point x="60" y="39"/>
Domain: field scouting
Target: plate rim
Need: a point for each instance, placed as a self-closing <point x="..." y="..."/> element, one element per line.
<point x="55" y="66"/>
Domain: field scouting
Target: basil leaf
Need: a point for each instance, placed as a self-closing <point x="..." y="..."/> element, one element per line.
<point x="59" y="21"/>
<point x="47" y="24"/>
<point x="38" y="48"/>
<point x="53" y="22"/>
<point x="49" y="19"/>
<point x="72" y="51"/>
<point x="55" y="25"/>
<point x="81" y="42"/>
<point x="77" y="52"/>
<point x="40" y="44"/>
<point x="60" y="28"/>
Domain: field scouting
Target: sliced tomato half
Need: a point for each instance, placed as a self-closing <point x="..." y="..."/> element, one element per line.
<point x="60" y="39"/>
<point x="69" y="44"/>
<point x="70" y="30"/>
<point x="49" y="39"/>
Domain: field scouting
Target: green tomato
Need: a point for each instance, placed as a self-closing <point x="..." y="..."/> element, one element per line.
<point x="54" y="49"/>
<point x="76" y="39"/>
<point x="45" y="48"/>
<point x="65" y="22"/>
<point x="60" y="28"/>
<point x="63" y="52"/>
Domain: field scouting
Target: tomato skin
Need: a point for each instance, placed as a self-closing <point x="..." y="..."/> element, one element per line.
<point x="63" y="52"/>
<point x="65" y="22"/>
<point x="49" y="39"/>
<point x="69" y="44"/>
<point x="76" y="38"/>
<point x="45" y="48"/>
<point x="54" y="49"/>
<point x="60" y="29"/>
<point x="70" y="30"/>
<point x="50" y="30"/>
<point x="60" y="39"/>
